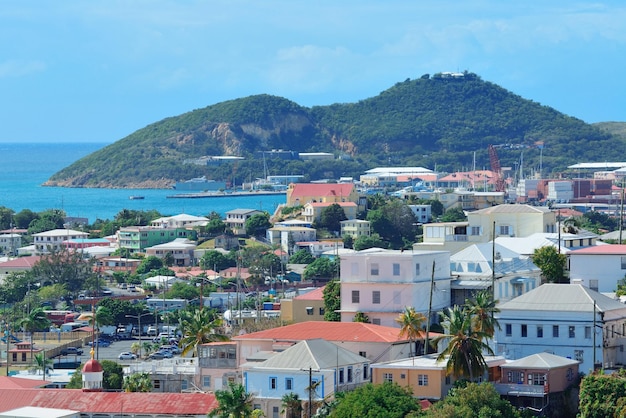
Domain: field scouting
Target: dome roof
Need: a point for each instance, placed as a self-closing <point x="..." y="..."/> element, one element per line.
<point x="92" y="366"/>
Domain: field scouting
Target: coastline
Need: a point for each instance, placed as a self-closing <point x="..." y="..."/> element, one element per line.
<point x="223" y="194"/>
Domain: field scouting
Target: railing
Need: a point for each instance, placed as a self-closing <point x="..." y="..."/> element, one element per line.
<point x="535" y="391"/>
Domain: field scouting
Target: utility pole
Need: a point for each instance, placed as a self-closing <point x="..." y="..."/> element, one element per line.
<point x="430" y="306"/>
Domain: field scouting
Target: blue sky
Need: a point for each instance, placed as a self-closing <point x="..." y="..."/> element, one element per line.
<point x="96" y="71"/>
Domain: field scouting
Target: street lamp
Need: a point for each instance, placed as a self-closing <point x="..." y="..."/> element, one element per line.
<point x="138" y="318"/>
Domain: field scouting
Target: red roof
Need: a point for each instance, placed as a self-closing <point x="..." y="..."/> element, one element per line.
<point x="110" y="402"/>
<point x="92" y="366"/>
<point x="317" y="294"/>
<point x="329" y="331"/>
<point x="322" y="189"/>
<point x="21" y="262"/>
<point x="612" y="249"/>
<point x="20" y="383"/>
<point x="327" y="204"/>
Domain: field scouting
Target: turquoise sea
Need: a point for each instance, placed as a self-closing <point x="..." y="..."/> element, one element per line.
<point x="25" y="167"/>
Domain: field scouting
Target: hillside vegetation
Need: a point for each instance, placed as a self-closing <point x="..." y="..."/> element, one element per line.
<point x="435" y="121"/>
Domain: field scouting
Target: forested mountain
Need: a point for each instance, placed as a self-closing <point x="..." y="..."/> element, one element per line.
<point x="441" y="121"/>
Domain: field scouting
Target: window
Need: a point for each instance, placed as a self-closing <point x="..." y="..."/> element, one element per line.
<point x="524" y="330"/>
<point x="516" y="377"/>
<point x="288" y="383"/>
<point x="578" y="355"/>
<point x="273" y="383"/>
<point x="256" y="406"/>
<point x="587" y="332"/>
<point x="157" y="384"/>
<point x="322" y="311"/>
<point x="555" y="331"/>
<point x="376" y="297"/>
<point x="402" y="376"/>
<point x="508" y="329"/>
<point x="374" y="269"/>
<point x="539" y="331"/>
<point x="376" y="321"/>
<point x="362" y="354"/>
<point x="475" y="230"/>
<point x="275" y="413"/>
<point x="206" y="381"/>
<point x="537" y="379"/>
<point x="341" y="377"/>
<point x="593" y="285"/>
<point x="422" y="380"/>
<point x="349" y="374"/>
<point x="572" y="331"/>
<point x="417" y="269"/>
<point x="184" y="385"/>
<point x="356" y="296"/>
<point x="388" y="377"/>
<point x="448" y="380"/>
<point x="396" y="269"/>
<point x="623" y="263"/>
<point x="309" y="310"/>
<point x="365" y="372"/>
<point x="504" y="230"/>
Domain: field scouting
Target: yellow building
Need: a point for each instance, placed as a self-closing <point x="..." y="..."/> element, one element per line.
<point x="303" y="308"/>
<point x="299" y="194"/>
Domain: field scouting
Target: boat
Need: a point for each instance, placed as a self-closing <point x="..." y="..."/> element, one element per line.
<point x="200" y="184"/>
<point x="136" y="197"/>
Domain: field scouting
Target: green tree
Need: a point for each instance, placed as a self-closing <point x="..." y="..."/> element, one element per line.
<point x="52" y="293"/>
<point x="216" y="225"/>
<point x="361" y="317"/>
<point x="292" y="405"/>
<point x="551" y="263"/>
<point x="388" y="400"/>
<point x="602" y="395"/>
<point x="454" y="215"/>
<point x="46" y="221"/>
<point x="411" y="323"/>
<point x="321" y="268"/>
<point x="65" y="267"/>
<point x="215" y="260"/>
<point x="137" y="382"/>
<point x="42" y="362"/>
<point x="464" y="353"/>
<point x="234" y="402"/>
<point x="348" y="241"/>
<point x="483" y="308"/>
<point x="302" y="257"/>
<point x="198" y="327"/>
<point x="473" y="400"/>
<point x="182" y="290"/>
<point x="256" y="225"/>
<point x="149" y="264"/>
<point x="23" y="218"/>
<point x="332" y="301"/>
<point x="331" y="217"/>
<point x="372" y="241"/>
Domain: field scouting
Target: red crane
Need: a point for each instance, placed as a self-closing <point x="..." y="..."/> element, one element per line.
<point x="497" y="170"/>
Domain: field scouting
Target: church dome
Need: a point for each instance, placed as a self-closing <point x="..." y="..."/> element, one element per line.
<point x="92" y="366"/>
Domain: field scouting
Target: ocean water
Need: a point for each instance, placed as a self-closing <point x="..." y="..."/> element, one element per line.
<point x="25" y="167"/>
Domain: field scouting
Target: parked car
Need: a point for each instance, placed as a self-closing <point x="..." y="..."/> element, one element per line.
<point x="99" y="343"/>
<point x="156" y="356"/>
<point x="163" y="336"/>
<point x="165" y="353"/>
<point x="71" y="351"/>
<point x="171" y="348"/>
<point x="126" y="355"/>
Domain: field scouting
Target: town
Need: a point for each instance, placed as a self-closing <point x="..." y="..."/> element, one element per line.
<point x="405" y="278"/>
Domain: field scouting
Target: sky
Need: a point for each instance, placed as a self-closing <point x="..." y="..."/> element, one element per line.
<point x="98" y="70"/>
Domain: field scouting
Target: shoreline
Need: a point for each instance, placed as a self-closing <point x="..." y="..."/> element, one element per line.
<point x="223" y="194"/>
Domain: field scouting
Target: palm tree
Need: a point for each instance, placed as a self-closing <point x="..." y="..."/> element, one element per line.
<point x="35" y="321"/>
<point x="483" y="308"/>
<point x="138" y="382"/>
<point x="292" y="405"/>
<point x="411" y="323"/>
<point x="198" y="327"/>
<point x="464" y="352"/>
<point x="234" y="402"/>
<point x="43" y="363"/>
<point x="147" y="347"/>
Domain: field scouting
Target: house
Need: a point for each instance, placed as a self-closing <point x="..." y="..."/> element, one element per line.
<point x="299" y="194"/>
<point x="426" y="376"/>
<point x="568" y="320"/>
<point x="468" y="200"/>
<point x="313" y="210"/>
<point x="19" y="264"/>
<point x="286" y="236"/>
<point x="486" y="224"/>
<point x="53" y="240"/>
<point x="355" y="228"/>
<point x="160" y="282"/>
<point x="537" y="381"/>
<point x="317" y="363"/>
<point x="381" y="283"/>
<point x="375" y="342"/>
<point x="179" y="221"/>
<point x="173" y="375"/>
<point x="9" y="243"/>
<point x="472" y="270"/>
<point x="23" y="353"/>
<point x="317" y="248"/>
<point x="218" y="365"/>
<point x="305" y="307"/>
<point x="600" y="268"/>
<point x="563" y="242"/>
<point x="138" y="238"/>
<point x="110" y="265"/>
<point x="236" y="219"/>
<point x="181" y="251"/>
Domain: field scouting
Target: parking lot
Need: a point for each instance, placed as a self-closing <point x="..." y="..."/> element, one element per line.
<point x="111" y="352"/>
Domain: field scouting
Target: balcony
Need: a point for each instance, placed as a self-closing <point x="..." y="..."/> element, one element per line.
<point x="457" y="238"/>
<point x="533" y="391"/>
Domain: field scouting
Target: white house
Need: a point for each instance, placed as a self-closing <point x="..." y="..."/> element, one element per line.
<point x="381" y="283"/>
<point x="181" y="250"/>
<point x="236" y="219"/>
<point x="287" y="236"/>
<point x="355" y="228"/>
<point x="599" y="268"/>
<point x="53" y="240"/>
<point x="179" y="221"/>
<point x="472" y="267"/>
<point x="560" y="319"/>
<point x="9" y="243"/>
<point x="316" y="363"/>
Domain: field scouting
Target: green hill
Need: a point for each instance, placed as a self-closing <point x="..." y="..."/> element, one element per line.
<point x="441" y="121"/>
